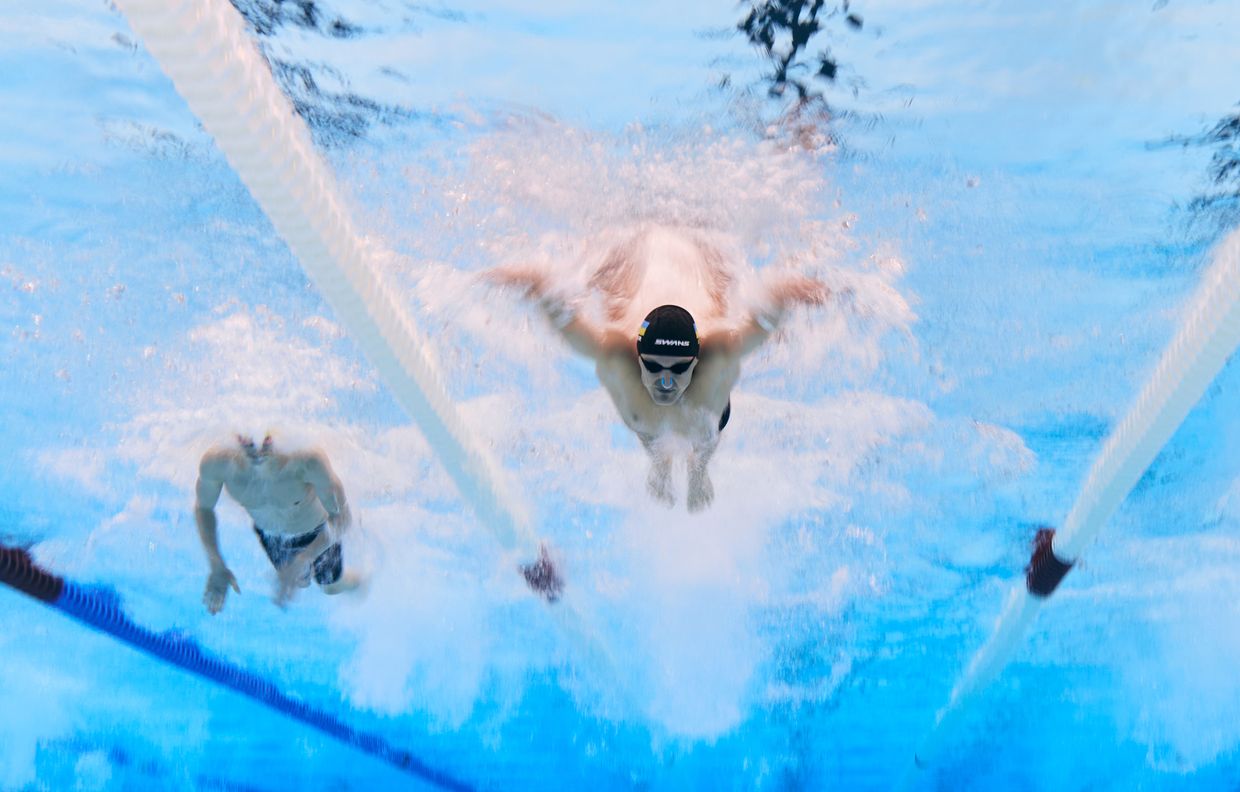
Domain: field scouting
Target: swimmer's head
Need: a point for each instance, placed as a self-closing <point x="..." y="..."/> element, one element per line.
<point x="667" y="351"/>
<point x="256" y="453"/>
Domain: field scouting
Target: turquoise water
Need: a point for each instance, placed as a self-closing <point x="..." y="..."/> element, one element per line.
<point x="1014" y="225"/>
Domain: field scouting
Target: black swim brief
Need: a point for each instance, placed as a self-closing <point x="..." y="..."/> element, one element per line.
<point x="281" y="548"/>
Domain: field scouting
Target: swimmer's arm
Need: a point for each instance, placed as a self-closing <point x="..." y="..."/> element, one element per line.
<point x="318" y="473"/>
<point x="583" y="338"/>
<point x="211" y="472"/>
<point x="762" y="323"/>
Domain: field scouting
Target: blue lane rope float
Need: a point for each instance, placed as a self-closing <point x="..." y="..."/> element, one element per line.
<point x="100" y="608"/>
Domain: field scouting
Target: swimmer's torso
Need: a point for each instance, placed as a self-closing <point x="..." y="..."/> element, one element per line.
<point x="695" y="416"/>
<point x="276" y="495"/>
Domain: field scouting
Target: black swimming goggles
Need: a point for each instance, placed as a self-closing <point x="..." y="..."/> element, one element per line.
<point x="675" y="368"/>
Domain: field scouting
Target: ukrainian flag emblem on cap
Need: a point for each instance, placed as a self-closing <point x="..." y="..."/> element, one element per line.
<point x="641" y="331"/>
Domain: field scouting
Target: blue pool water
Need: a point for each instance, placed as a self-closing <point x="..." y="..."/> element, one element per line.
<point x="1019" y="203"/>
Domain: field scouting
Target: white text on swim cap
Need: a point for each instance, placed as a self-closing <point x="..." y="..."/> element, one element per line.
<point x="671" y="341"/>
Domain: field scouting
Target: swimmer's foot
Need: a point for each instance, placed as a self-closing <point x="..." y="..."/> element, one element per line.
<point x="289" y="579"/>
<point x="659" y="484"/>
<point x="543" y="577"/>
<point x="348" y="582"/>
<point x="701" y="492"/>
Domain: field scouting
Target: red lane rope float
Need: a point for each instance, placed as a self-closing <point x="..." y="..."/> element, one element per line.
<point x="100" y="608"/>
<point x="1045" y="570"/>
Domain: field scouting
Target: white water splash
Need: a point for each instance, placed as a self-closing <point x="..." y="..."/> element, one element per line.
<point x="815" y="446"/>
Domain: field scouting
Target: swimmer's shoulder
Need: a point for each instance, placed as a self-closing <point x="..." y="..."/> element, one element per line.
<point x="218" y="463"/>
<point x="616" y="351"/>
<point x="716" y="374"/>
<point x="720" y="343"/>
<point x="311" y="466"/>
<point x="719" y="356"/>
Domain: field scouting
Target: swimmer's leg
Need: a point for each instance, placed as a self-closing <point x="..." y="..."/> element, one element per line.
<point x="701" y="490"/>
<point x="330" y="575"/>
<point x="659" y="480"/>
<point x="348" y="581"/>
<point x="282" y="550"/>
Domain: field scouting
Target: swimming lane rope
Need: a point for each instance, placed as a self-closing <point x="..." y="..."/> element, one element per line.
<point x="1210" y="334"/>
<point x="205" y="49"/>
<point x="100" y="609"/>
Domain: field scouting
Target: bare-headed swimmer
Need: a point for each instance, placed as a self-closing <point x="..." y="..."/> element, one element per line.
<point x="299" y="511"/>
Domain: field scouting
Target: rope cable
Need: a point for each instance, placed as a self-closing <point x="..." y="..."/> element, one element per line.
<point x="100" y="609"/>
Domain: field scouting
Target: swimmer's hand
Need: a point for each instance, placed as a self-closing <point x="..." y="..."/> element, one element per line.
<point x="528" y="279"/>
<point x="701" y="492"/>
<point x="797" y="290"/>
<point x="341" y="520"/>
<point x="288" y="580"/>
<point x="218" y="581"/>
<point x="294" y="575"/>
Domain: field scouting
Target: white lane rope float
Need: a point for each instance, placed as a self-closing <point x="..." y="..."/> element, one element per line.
<point x="1209" y="336"/>
<point x="204" y="47"/>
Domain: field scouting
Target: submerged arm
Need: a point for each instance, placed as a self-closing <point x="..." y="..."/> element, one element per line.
<point x="211" y="472"/>
<point x="580" y="335"/>
<point x="781" y="296"/>
<point x="206" y="495"/>
<point x="319" y="474"/>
